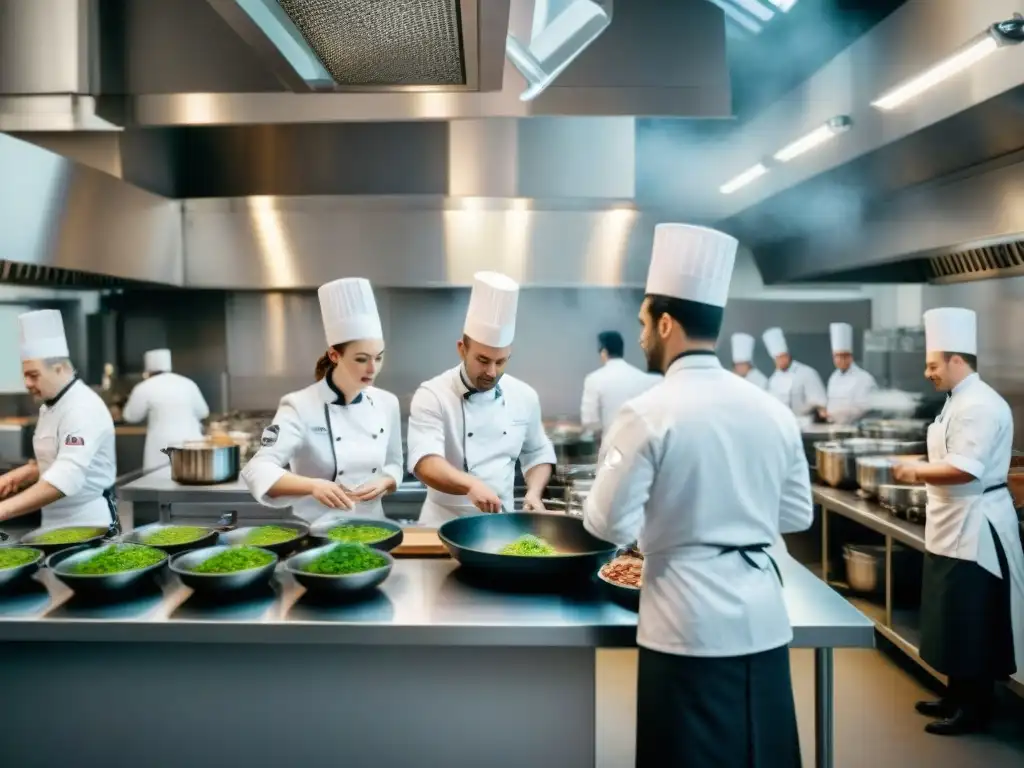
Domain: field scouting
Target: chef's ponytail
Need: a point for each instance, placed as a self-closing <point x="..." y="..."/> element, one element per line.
<point x="324" y="365"/>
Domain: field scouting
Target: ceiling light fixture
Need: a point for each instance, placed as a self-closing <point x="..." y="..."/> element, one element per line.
<point x="815" y="138"/>
<point x="749" y="175"/>
<point x="783" y="5"/>
<point x="997" y="36"/>
<point x="756" y="8"/>
<point x="738" y="16"/>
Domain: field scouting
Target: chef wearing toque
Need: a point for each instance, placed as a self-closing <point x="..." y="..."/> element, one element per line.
<point x="615" y="382"/>
<point x="850" y="386"/>
<point x="972" y="602"/>
<point x="72" y="477"/>
<point x="469" y="425"/>
<point x="337" y="444"/>
<point x="793" y="383"/>
<point x="674" y="474"/>
<point x="743" y="360"/>
<point x="171" y="405"/>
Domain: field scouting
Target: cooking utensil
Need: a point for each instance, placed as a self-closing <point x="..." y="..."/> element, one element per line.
<point x="202" y="462"/>
<point x="908" y="502"/>
<point x="63" y="565"/>
<point x="237" y="537"/>
<point x="873" y="471"/>
<point x="320" y="529"/>
<point x="895" y="429"/>
<point x="837" y="461"/>
<point x="220" y="584"/>
<point x="12" y="578"/>
<point x="475" y="540"/>
<point x="28" y="539"/>
<point x="865" y="567"/>
<point x="335" y="584"/>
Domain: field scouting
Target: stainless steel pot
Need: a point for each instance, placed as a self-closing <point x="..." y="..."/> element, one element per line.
<point x="895" y="429"/>
<point x="908" y="502"/>
<point x="201" y="463"/>
<point x="837" y="461"/>
<point x="865" y="567"/>
<point x="818" y="433"/>
<point x="873" y="471"/>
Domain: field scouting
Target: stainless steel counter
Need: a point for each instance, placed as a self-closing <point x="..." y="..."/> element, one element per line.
<point x="870" y="514"/>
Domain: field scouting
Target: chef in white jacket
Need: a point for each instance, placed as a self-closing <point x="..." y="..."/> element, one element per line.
<point x="469" y="425"/>
<point x="675" y="475"/>
<point x="743" y="360"/>
<point x="797" y="385"/>
<point x="972" y="602"/>
<point x="611" y="385"/>
<point x="335" y="446"/>
<point x="72" y="477"/>
<point x="849" y="387"/>
<point x="171" y="405"/>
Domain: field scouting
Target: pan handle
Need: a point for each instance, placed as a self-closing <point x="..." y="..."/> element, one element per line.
<point x="226" y="522"/>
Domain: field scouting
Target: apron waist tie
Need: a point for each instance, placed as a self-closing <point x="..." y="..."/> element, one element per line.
<point x="745" y="552"/>
<point x="110" y="496"/>
<point x="998" y="487"/>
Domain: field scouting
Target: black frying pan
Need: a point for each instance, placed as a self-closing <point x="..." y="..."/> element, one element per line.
<point x="475" y="540"/>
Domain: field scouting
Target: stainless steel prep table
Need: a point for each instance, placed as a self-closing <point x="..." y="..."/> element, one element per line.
<point x="423" y="612"/>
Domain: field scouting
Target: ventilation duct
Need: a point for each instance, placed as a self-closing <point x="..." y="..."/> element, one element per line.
<point x="1004" y="260"/>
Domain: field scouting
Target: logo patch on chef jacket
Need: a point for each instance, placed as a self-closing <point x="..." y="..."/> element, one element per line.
<point x="613" y="459"/>
<point x="318" y="430"/>
<point x="270" y="435"/>
<point x="74" y="440"/>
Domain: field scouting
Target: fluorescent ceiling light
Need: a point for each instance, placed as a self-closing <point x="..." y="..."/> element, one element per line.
<point x="738" y="16"/>
<point x="743" y="179"/>
<point x="756" y="8"/>
<point x="966" y="57"/>
<point x="815" y="138"/>
<point x="783" y="5"/>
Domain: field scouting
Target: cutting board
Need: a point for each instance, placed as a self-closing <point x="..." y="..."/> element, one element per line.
<point x="420" y="542"/>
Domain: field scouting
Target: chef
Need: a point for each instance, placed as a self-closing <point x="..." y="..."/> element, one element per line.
<point x="72" y="477"/>
<point x="337" y="444"/>
<point x="793" y="383"/>
<point x="171" y="405"/>
<point x="972" y="602"/>
<point x="615" y="382"/>
<point x="849" y="387"/>
<point x="743" y="360"/>
<point x="675" y="475"/>
<point x="469" y="425"/>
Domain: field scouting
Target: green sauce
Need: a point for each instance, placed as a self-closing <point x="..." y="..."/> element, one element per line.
<point x="120" y="558"/>
<point x="15" y="556"/>
<point x="269" y="535"/>
<point x="235" y="559"/>
<point x="174" y="535"/>
<point x="359" y="534"/>
<point x="346" y="558"/>
<point x="66" y="535"/>
<point x="528" y="546"/>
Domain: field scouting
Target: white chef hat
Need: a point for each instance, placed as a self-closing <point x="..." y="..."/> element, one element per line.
<point x="775" y="340"/>
<point x="842" y="337"/>
<point x="157" y="361"/>
<point x="349" y="311"/>
<point x="742" y="348"/>
<point x="951" y="329"/>
<point x="491" y="318"/>
<point x="692" y="263"/>
<point x="42" y="335"/>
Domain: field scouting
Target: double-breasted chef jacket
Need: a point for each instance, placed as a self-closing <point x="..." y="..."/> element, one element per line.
<point x="973" y="627"/>
<point x="848" y="394"/>
<point x="798" y="387"/>
<point x="482" y="433"/>
<point x="315" y="433"/>
<point x="607" y="388"/>
<point x="74" y="449"/>
<point x="172" y="407"/>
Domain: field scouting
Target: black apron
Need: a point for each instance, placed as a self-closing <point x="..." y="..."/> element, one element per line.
<point x="966" y="625"/>
<point x="726" y="712"/>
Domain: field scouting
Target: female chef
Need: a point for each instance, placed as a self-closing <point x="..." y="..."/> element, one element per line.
<point x="337" y="444"/>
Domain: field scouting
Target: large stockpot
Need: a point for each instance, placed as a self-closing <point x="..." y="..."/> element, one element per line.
<point x="204" y="463"/>
<point x="837" y="461"/>
<point x="813" y="434"/>
<point x="908" y="502"/>
<point x="895" y="429"/>
<point x="873" y="471"/>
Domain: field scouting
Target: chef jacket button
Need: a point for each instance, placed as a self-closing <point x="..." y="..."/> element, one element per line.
<point x="382" y="430"/>
<point x="341" y="472"/>
<point x="374" y="437"/>
<point x="504" y="432"/>
<point x="337" y="439"/>
<point x="374" y="470"/>
<point x="470" y="434"/>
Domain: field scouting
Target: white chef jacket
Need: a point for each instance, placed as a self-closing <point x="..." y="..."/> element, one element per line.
<point x="757" y="378"/>
<point x="315" y="434"/>
<point x="799" y="387"/>
<point x="607" y="388"/>
<point x="848" y="394"/>
<point x="482" y="433"/>
<point x="173" y="408"/>
<point x="74" y="448"/>
<point x="701" y="461"/>
<point x="974" y="433"/>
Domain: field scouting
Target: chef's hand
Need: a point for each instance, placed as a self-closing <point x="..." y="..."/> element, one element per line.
<point x="905" y="473"/>
<point x="11" y="481"/>
<point x="483" y="498"/>
<point x="331" y="495"/>
<point x="533" y="503"/>
<point x="372" y="490"/>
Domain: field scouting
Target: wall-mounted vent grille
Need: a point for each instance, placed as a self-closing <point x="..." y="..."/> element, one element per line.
<point x="13" y="272"/>
<point x="1003" y="260"/>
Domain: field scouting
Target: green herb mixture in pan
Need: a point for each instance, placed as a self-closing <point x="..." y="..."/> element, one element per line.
<point x="175" y="534"/>
<point x="15" y="556"/>
<point x="234" y="560"/>
<point x="346" y="558"/>
<point x="120" y="558"/>
<point x="268" y="535"/>
<point x="362" y="534"/>
<point x="66" y="535"/>
<point x="528" y="546"/>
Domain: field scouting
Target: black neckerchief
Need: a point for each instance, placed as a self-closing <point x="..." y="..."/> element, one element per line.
<point x="155" y="373"/>
<point x="53" y="401"/>
<point x="689" y="353"/>
<point x="471" y="390"/>
<point x="339" y="395"/>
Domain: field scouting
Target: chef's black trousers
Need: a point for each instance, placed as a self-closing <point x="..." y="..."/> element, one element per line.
<point x="697" y="712"/>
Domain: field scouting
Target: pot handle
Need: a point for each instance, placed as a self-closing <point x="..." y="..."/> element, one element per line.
<point x="226" y="522"/>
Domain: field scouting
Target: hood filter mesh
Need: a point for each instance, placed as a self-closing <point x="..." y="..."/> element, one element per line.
<point x="370" y="42"/>
<point x="976" y="263"/>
